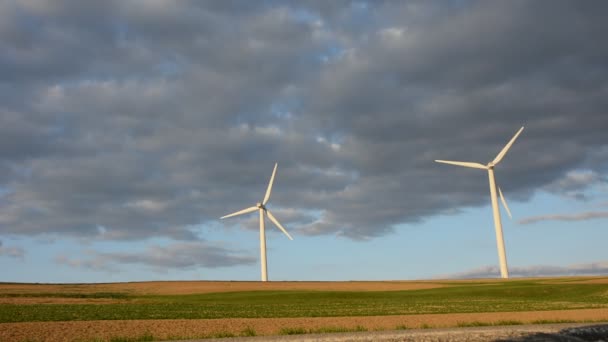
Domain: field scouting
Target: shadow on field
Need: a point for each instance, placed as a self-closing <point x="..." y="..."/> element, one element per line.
<point x="578" y="334"/>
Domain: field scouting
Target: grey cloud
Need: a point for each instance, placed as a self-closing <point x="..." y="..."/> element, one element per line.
<point x="96" y="264"/>
<point x="124" y="120"/>
<point x="590" y="215"/>
<point x="183" y="255"/>
<point x="588" y="269"/>
<point x="465" y="108"/>
<point x="293" y="216"/>
<point x="12" y="252"/>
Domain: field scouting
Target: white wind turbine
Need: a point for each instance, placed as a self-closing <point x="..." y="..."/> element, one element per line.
<point x="261" y="207"/>
<point x="502" y="257"/>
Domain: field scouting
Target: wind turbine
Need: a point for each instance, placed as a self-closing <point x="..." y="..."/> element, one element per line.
<point x="261" y="207"/>
<point x="500" y="243"/>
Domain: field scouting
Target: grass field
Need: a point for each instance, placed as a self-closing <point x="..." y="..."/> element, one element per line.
<point x="24" y="303"/>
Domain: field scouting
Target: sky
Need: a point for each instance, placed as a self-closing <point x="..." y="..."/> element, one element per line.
<point x="129" y="127"/>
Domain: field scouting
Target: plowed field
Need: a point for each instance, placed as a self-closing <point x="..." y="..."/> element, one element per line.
<point x="31" y="312"/>
<point x="192" y="287"/>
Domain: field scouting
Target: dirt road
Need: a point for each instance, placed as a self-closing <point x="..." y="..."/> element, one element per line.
<point x="528" y="333"/>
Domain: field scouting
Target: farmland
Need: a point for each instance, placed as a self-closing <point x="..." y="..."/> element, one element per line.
<point x="204" y="309"/>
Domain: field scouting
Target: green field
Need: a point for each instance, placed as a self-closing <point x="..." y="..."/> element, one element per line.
<point x="458" y="297"/>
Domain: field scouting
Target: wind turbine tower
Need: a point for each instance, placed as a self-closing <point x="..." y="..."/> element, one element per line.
<point x="263" y="211"/>
<point x="500" y="243"/>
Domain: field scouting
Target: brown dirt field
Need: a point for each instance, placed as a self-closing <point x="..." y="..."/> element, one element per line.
<point x="166" y="329"/>
<point x="549" y="280"/>
<point x="54" y="300"/>
<point x="189" y="287"/>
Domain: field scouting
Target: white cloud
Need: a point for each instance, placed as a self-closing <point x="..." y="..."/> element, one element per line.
<point x="392" y="33"/>
<point x="12" y="252"/>
<point x="147" y="205"/>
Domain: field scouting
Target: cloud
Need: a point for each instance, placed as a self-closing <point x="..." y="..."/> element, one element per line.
<point x="141" y="120"/>
<point x="574" y="183"/>
<point x="182" y="255"/>
<point x="590" y="215"/>
<point x="588" y="269"/>
<point x="12" y="252"/>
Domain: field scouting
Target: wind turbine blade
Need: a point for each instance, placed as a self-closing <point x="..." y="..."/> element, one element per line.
<point x="506" y="148"/>
<point x="244" y="211"/>
<point x="465" y="164"/>
<point x="267" y="196"/>
<point x="504" y="202"/>
<point x="276" y="223"/>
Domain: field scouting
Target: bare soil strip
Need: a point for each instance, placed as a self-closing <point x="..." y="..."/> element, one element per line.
<point x="57" y="300"/>
<point x="191" y="287"/>
<point x="190" y="329"/>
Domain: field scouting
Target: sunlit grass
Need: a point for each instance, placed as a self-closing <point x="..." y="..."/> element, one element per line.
<point x="472" y="324"/>
<point x="487" y="324"/>
<point x="552" y="321"/>
<point x="249" y="331"/>
<point x="509" y="322"/>
<point x="329" y="330"/>
<point x="222" y="334"/>
<point x="292" y="331"/>
<point x="322" y="330"/>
